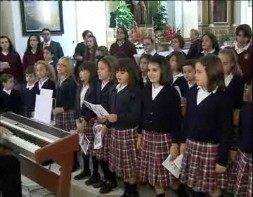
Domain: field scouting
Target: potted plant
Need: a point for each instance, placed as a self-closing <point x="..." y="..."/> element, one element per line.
<point x="124" y="16"/>
<point x="160" y="19"/>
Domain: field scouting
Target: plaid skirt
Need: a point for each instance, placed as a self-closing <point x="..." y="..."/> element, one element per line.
<point x="123" y="153"/>
<point x="103" y="153"/>
<point x="154" y="150"/>
<point x="198" y="167"/>
<point x="242" y="176"/>
<point x="66" y="121"/>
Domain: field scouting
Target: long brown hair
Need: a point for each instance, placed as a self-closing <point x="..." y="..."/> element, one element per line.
<point x="236" y="70"/>
<point x="92" y="56"/>
<point x="112" y="64"/>
<point x="214" y="71"/>
<point x="49" y="67"/>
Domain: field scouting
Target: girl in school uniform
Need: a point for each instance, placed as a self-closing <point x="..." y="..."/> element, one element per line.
<point x="65" y="95"/>
<point x="176" y="61"/>
<point x="143" y="68"/>
<point x="65" y="99"/>
<point x="243" y="49"/>
<point x="48" y="55"/>
<point x="84" y="116"/>
<point x="207" y="130"/>
<point x="90" y="49"/>
<point x="209" y="45"/>
<point x="160" y="124"/>
<point x="232" y="76"/>
<point x="241" y="174"/>
<point x="46" y="77"/>
<point x="33" y="52"/>
<point x="9" y="55"/>
<point x="101" y="52"/>
<point x="124" y="119"/>
<point x="106" y="74"/>
<point x="177" y="44"/>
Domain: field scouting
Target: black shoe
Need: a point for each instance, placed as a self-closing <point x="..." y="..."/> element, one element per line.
<point x="99" y="184"/>
<point x="82" y="175"/>
<point x="93" y="179"/>
<point x="134" y="194"/>
<point x="109" y="186"/>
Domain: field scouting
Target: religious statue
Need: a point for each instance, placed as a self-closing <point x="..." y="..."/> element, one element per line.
<point x="139" y="12"/>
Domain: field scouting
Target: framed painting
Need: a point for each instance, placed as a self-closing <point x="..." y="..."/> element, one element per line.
<point x="220" y="11"/>
<point x="37" y="15"/>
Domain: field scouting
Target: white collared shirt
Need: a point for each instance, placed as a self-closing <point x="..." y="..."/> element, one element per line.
<point x="155" y="91"/>
<point x="7" y="91"/>
<point x="104" y="83"/>
<point x="176" y="76"/>
<point x="240" y="50"/>
<point x="5" y="53"/>
<point x="190" y="84"/>
<point x="202" y="94"/>
<point x="30" y="86"/>
<point x="228" y="79"/>
<point x="42" y="83"/>
<point x="120" y="87"/>
<point x="83" y="93"/>
<point x="47" y="44"/>
<point x="210" y="52"/>
<point x="152" y="53"/>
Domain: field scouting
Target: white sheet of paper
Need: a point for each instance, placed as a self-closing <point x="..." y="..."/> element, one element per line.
<point x="178" y="161"/>
<point x="43" y="108"/>
<point x="97" y="109"/>
<point x="84" y="143"/>
<point x="46" y="92"/>
<point x="4" y="65"/>
<point x="98" y="136"/>
<point x="171" y="167"/>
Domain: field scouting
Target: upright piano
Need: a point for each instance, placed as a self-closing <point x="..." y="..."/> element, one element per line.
<point x="35" y="143"/>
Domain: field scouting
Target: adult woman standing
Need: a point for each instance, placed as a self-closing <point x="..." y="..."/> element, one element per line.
<point x="122" y="47"/>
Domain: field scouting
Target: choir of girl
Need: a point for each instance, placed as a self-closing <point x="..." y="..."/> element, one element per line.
<point x="157" y="108"/>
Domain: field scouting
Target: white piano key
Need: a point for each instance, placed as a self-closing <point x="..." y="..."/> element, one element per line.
<point x="30" y="147"/>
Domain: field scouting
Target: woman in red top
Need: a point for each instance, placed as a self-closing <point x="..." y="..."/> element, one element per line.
<point x="10" y="61"/>
<point x="33" y="51"/>
<point x="122" y="47"/>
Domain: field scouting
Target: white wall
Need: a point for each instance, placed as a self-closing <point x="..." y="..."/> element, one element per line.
<point x="67" y="40"/>
<point x="77" y="17"/>
<point x="92" y="15"/>
<point x="243" y="13"/>
<point x="190" y="17"/>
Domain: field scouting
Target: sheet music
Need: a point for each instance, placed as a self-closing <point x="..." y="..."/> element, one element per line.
<point x="171" y="167"/>
<point x="43" y="108"/>
<point x="46" y="93"/>
<point x="97" y="109"/>
<point x="84" y="143"/>
<point x="178" y="161"/>
<point x="98" y="136"/>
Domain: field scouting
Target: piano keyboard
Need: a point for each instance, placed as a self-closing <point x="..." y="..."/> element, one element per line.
<point x="22" y="143"/>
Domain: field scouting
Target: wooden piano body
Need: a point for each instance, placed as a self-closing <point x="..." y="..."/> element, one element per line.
<point x="59" y="147"/>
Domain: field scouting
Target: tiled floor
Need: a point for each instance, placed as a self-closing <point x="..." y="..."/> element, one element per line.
<point x="79" y="189"/>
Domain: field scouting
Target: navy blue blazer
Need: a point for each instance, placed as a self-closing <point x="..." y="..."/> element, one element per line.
<point x="49" y="84"/>
<point x="235" y="90"/>
<point x="246" y="128"/>
<point x="182" y="84"/>
<point x="163" y="114"/>
<point x="83" y="111"/>
<point x="211" y="121"/>
<point x="127" y="105"/>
